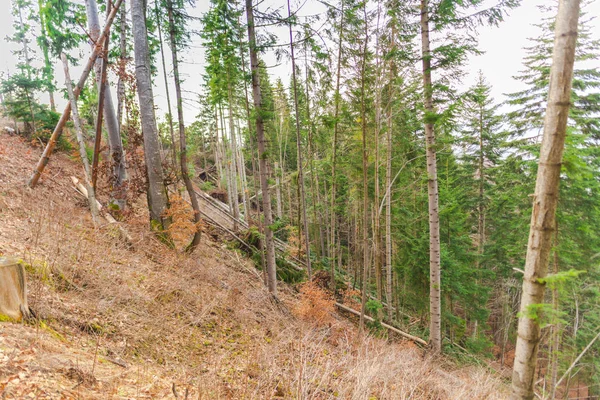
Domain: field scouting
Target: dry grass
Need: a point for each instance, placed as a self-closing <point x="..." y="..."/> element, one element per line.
<point x="204" y="322"/>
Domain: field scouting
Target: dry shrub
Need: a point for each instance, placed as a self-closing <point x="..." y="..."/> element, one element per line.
<point x="315" y="305"/>
<point x="351" y="297"/>
<point x="296" y="242"/>
<point x="182" y="225"/>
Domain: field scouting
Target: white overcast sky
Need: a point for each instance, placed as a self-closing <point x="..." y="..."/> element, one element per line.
<point x="503" y="48"/>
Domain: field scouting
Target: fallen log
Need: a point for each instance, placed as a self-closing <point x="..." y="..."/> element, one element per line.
<point x="13" y="290"/>
<point x="67" y="111"/>
<point x="389" y="327"/>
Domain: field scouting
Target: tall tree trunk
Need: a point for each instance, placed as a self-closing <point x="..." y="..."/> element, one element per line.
<point x="228" y="164"/>
<point x="157" y="197"/>
<point x="278" y="190"/>
<point x="48" y="68"/>
<point x="262" y="156"/>
<point x="217" y="149"/>
<point x="167" y="92"/>
<point x="243" y="178"/>
<point x="79" y="134"/>
<point x="435" y="319"/>
<point x="480" y="206"/>
<point x="122" y="63"/>
<point x="556" y="328"/>
<point x="365" y="210"/>
<point x="234" y="157"/>
<point x="110" y="119"/>
<point x="377" y="214"/>
<point x="299" y="151"/>
<point x="332" y="221"/>
<point x="545" y="197"/>
<point x="182" y="141"/>
<point x="99" y="115"/>
<point x="27" y="61"/>
<point x="388" y="203"/>
<point x="314" y="184"/>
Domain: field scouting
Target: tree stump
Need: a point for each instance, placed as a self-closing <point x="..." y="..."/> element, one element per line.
<point x="13" y="290"/>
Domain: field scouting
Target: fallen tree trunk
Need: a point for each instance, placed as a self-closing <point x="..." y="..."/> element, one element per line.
<point x="389" y="327"/>
<point x="13" y="290"/>
<point x="67" y="112"/>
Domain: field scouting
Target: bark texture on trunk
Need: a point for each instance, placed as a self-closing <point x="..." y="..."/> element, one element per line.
<point x="110" y="118"/>
<point x="435" y="323"/>
<point x="263" y="165"/>
<point x="545" y="197"/>
<point x="156" y="191"/>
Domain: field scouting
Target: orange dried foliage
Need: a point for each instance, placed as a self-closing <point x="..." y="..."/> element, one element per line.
<point x="351" y="297"/>
<point x="315" y="305"/>
<point x="182" y="226"/>
<point x="296" y="242"/>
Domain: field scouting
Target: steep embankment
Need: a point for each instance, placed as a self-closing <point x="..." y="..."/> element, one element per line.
<point x="131" y="322"/>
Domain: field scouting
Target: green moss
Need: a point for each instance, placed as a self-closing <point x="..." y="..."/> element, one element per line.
<point x="6" y="318"/>
<point x="45" y="327"/>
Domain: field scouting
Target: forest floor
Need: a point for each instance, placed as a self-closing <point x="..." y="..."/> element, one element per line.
<point x="133" y="322"/>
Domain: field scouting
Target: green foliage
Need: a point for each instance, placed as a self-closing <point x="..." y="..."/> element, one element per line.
<point x="374" y="308"/>
<point x="543" y="314"/>
<point x="560" y="278"/>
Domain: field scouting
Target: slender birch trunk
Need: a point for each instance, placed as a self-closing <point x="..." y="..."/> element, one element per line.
<point x="79" y="134"/>
<point x="263" y="165"/>
<point x="545" y="197"/>
<point x="435" y="322"/>
<point x="156" y="191"/>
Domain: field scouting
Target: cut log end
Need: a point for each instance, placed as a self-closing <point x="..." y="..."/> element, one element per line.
<point x="13" y="290"/>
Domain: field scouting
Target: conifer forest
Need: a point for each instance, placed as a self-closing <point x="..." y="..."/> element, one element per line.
<point x="348" y="150"/>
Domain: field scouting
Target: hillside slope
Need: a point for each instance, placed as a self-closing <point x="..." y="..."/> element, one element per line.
<point x="130" y="322"/>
